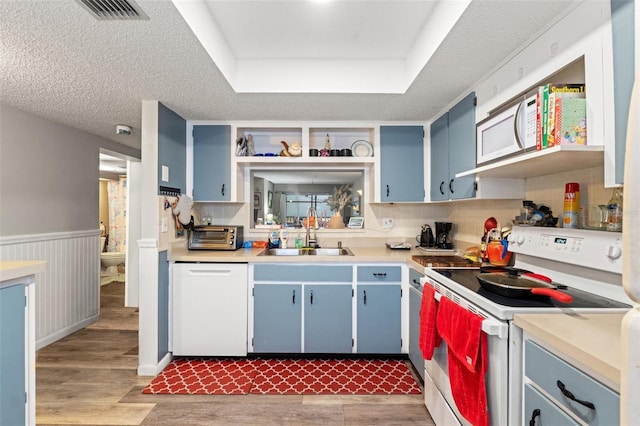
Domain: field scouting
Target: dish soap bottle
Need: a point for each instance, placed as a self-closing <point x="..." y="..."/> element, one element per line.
<point x="614" y="211"/>
<point x="274" y="241"/>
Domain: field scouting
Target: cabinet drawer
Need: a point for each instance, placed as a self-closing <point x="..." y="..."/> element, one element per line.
<point x="414" y="279"/>
<point x="547" y="370"/>
<point x="379" y="273"/>
<point x="548" y="414"/>
<point x="302" y="273"/>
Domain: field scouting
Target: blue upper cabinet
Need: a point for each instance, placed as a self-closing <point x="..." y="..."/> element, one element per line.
<point x="453" y="150"/>
<point x="439" y="189"/>
<point x="172" y="149"/>
<point x="623" y="34"/>
<point x="401" y="163"/>
<point x="462" y="147"/>
<point x="212" y="163"/>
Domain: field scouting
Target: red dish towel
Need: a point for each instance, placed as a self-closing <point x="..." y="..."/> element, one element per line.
<point x="467" y="357"/>
<point x="429" y="338"/>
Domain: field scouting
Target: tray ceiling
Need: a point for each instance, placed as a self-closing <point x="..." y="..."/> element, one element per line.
<point x="59" y="62"/>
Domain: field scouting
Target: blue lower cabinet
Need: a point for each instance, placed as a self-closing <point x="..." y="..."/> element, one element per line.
<point x="12" y="355"/>
<point x="415" y="303"/>
<point x="327" y="318"/>
<point x="539" y="410"/>
<point x="277" y="318"/>
<point x="379" y="319"/>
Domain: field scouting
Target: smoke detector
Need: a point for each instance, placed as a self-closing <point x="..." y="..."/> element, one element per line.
<point x="122" y="129"/>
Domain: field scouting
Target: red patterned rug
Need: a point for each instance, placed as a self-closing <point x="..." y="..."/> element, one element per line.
<point x="215" y="376"/>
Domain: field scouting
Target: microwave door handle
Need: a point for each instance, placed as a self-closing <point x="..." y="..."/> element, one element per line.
<point x="517" y="130"/>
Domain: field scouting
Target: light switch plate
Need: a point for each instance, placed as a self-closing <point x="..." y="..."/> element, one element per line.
<point x="165" y="173"/>
<point x="163" y="225"/>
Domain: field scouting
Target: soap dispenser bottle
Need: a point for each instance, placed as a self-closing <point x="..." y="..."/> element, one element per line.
<point x="274" y="241"/>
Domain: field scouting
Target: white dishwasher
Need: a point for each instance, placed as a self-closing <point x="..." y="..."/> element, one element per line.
<point x="209" y="309"/>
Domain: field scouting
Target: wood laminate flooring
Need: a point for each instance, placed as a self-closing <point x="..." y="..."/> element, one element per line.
<point x="89" y="378"/>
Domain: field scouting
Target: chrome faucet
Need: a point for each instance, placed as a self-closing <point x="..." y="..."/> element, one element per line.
<point x="310" y="240"/>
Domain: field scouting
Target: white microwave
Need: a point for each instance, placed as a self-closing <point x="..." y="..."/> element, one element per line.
<point x="507" y="133"/>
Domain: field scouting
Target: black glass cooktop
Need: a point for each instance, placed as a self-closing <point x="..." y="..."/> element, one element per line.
<point x="581" y="299"/>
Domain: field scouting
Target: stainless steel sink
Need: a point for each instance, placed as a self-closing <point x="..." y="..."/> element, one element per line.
<point x="339" y="251"/>
<point x="331" y="252"/>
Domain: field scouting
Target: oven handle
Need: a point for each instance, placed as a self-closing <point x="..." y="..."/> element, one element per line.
<point x="490" y="326"/>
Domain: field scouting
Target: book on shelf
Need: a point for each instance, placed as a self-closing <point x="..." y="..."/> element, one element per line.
<point x="570" y="121"/>
<point x="547" y="110"/>
<point x="559" y="91"/>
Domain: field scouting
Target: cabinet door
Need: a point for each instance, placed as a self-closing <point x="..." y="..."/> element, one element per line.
<point x="327" y="318"/>
<point x="379" y="319"/>
<point x="401" y="163"/>
<point x="415" y="302"/>
<point x="12" y="355"/>
<point x="624" y="51"/>
<point x="440" y="159"/>
<point x="212" y="163"/>
<point x="539" y="410"/>
<point x="277" y="317"/>
<point x="462" y="147"/>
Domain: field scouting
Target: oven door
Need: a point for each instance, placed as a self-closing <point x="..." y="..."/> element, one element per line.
<point x="437" y="390"/>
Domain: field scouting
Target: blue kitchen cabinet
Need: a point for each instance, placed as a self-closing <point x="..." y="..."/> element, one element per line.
<point x="378" y="329"/>
<point x="212" y="163"/>
<point x="327" y="318"/>
<point x="379" y="295"/>
<point x="401" y="163"/>
<point x="415" y="304"/>
<point x="439" y="190"/>
<point x="280" y="292"/>
<point x="277" y="314"/>
<point x="624" y="51"/>
<point x="12" y="355"/>
<point x="453" y="150"/>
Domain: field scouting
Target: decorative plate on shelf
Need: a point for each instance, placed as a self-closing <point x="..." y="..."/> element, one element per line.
<point x="362" y="148"/>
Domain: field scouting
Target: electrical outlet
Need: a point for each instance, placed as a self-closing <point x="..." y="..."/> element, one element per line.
<point x="387" y="222"/>
<point x="163" y="225"/>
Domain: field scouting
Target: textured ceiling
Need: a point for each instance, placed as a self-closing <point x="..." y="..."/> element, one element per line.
<point x="60" y="63"/>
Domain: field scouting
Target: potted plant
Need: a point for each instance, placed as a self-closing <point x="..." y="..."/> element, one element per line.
<point x="337" y="201"/>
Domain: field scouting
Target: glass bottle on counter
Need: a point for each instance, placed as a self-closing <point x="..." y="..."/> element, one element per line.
<point x="614" y="211"/>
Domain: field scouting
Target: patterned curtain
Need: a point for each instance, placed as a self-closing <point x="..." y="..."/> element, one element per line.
<point x="117" y="215"/>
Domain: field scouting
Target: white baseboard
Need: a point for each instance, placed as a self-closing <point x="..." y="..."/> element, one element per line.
<point x="154" y="370"/>
<point x="66" y="331"/>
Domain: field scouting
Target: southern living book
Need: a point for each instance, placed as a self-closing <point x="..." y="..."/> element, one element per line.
<point x="571" y="121"/>
<point x="558" y="91"/>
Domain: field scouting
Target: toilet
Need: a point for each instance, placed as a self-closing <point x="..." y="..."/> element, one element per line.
<point x="110" y="260"/>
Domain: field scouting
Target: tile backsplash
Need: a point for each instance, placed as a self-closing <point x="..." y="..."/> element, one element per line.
<point x="467" y="216"/>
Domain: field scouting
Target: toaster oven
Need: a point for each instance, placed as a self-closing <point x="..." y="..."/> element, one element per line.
<point x="213" y="237"/>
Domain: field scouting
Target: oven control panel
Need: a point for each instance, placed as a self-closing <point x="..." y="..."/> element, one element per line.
<point x="594" y="249"/>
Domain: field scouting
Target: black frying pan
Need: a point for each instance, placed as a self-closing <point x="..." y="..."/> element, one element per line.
<point x="517" y="285"/>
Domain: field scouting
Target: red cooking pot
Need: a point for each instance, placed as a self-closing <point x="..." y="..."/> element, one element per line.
<point x="518" y="284"/>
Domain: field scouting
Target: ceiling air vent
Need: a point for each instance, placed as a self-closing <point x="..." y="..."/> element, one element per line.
<point x="113" y="9"/>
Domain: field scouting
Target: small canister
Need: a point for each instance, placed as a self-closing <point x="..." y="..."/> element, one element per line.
<point x="571" y="205"/>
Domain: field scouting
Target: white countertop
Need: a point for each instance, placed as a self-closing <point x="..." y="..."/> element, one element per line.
<point x="591" y="339"/>
<point x="179" y="253"/>
<point x="12" y="269"/>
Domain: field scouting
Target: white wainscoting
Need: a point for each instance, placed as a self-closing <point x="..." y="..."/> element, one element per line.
<point x="68" y="293"/>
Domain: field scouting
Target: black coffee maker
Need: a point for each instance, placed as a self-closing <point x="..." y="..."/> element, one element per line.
<point x="443" y="239"/>
<point x="426" y="237"/>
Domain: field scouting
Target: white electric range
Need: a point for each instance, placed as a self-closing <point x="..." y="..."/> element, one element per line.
<point x="585" y="264"/>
